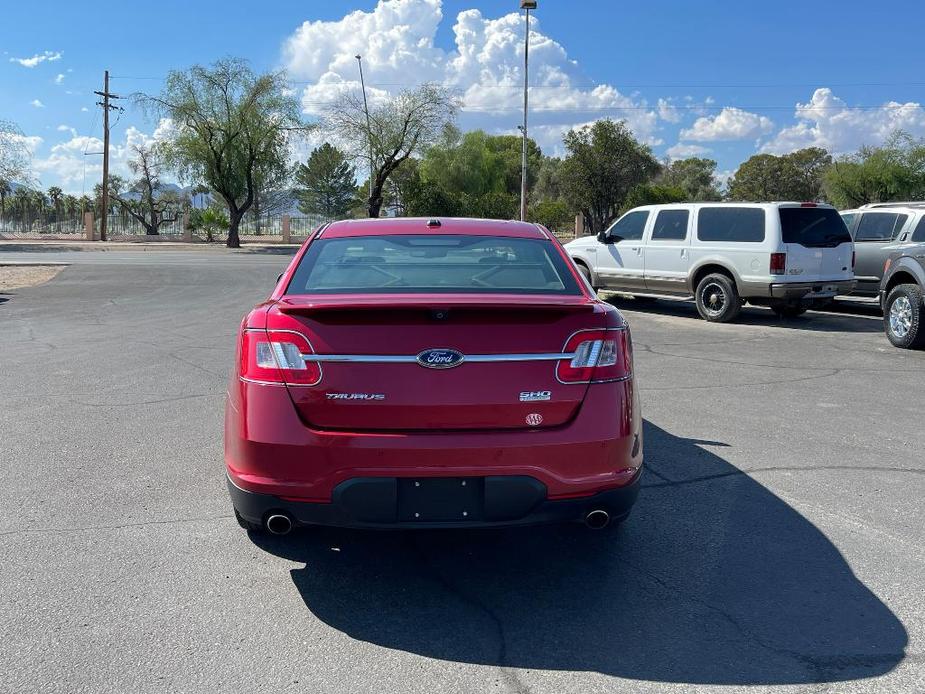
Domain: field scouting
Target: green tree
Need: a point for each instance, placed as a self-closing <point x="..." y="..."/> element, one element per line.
<point x="605" y="162"/>
<point x="653" y="194"/>
<point x="233" y="127"/>
<point x="794" y="176"/>
<point x="479" y="164"/>
<point x="895" y="171"/>
<point x="552" y="214"/>
<point x="326" y="184"/>
<point x="5" y="190"/>
<point x="391" y="132"/>
<point x="695" y="176"/>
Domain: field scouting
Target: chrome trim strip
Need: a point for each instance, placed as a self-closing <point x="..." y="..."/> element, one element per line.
<point x="409" y="359"/>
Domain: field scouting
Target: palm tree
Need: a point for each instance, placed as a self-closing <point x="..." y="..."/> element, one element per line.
<point x="5" y="190"/>
<point x="54" y="194"/>
<point x="21" y="201"/>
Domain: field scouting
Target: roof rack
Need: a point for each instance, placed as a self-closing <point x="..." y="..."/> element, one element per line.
<point x="897" y="203"/>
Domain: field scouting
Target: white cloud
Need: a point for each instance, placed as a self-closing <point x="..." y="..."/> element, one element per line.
<point x="667" y="111"/>
<point x="682" y="151"/>
<point x="84" y="109"/>
<point x="828" y="122"/>
<point x="59" y="78"/>
<point x="37" y="104"/>
<point x="50" y="56"/>
<point x="729" y="124"/>
<point x="67" y="129"/>
<point x="396" y="40"/>
<point x="74" y="163"/>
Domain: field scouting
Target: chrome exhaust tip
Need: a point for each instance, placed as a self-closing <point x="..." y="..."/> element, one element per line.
<point x="278" y="524"/>
<point x="597" y="519"/>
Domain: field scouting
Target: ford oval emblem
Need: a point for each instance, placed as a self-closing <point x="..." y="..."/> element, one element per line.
<point x="440" y="358"/>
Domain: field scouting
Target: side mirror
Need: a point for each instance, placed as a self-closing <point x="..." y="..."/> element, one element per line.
<point x="602" y="236"/>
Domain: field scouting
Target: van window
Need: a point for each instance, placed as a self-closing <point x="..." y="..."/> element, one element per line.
<point x="879" y="226"/>
<point x="630" y="226"/>
<point x="849" y="219"/>
<point x="814" y="227"/>
<point x="738" y="224"/>
<point x="919" y="234"/>
<point x="670" y="225"/>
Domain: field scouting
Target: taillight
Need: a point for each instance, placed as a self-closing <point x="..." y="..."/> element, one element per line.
<point x="277" y="357"/>
<point x="778" y="263"/>
<point x="597" y="356"/>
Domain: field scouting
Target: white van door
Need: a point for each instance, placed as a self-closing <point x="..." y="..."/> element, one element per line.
<point x="621" y="259"/>
<point x="667" y="251"/>
<point x="817" y="244"/>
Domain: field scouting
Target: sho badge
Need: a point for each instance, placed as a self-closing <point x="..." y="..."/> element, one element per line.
<point x="535" y="395"/>
<point x="534" y="419"/>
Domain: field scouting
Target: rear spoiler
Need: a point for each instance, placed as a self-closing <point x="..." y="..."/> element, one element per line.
<point x="358" y="302"/>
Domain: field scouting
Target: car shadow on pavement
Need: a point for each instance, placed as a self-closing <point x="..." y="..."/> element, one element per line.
<point x="840" y="317"/>
<point x="713" y="579"/>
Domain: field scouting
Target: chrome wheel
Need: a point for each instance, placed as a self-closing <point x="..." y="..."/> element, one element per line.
<point x="713" y="297"/>
<point x="901" y="317"/>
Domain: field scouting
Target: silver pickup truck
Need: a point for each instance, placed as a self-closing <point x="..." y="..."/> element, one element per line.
<point x="878" y="230"/>
<point x="901" y="296"/>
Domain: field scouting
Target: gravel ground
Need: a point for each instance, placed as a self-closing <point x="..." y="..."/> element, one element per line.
<point x="17" y="277"/>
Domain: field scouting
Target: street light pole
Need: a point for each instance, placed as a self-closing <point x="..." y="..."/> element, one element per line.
<point x="525" y="5"/>
<point x="369" y="131"/>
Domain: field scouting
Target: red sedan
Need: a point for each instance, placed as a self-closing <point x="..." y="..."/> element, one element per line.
<point x="432" y="373"/>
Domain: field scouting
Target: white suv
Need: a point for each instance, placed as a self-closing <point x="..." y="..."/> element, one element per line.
<point x="786" y="255"/>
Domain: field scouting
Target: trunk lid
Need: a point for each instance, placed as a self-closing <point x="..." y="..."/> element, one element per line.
<point x="368" y="347"/>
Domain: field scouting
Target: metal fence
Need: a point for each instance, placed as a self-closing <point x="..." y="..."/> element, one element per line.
<point x="42" y="226"/>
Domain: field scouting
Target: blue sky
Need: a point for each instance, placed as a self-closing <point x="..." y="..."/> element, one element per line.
<point x="717" y="79"/>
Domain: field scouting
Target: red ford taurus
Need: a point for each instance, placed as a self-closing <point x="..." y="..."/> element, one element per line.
<point x="432" y="373"/>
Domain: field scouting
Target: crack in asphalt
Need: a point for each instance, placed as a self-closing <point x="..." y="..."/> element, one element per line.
<point x="820" y="666"/>
<point x="780" y="468"/>
<point x="140" y="524"/>
<point x="509" y="674"/>
<point x="146" y="402"/>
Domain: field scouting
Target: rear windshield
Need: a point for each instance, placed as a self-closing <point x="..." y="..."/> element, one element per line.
<point x="428" y="264"/>
<point x="737" y="224"/>
<point x="813" y="226"/>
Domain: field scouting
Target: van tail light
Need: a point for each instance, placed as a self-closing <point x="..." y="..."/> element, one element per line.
<point x="778" y="263"/>
<point x="598" y="356"/>
<point x="276" y="356"/>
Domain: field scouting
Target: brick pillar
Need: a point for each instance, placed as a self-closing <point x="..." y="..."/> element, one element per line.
<point x="187" y="232"/>
<point x="89" y="232"/>
<point x="284" y="228"/>
<point x="579" y="225"/>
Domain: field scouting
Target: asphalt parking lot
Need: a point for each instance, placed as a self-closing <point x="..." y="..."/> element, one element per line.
<point x="778" y="545"/>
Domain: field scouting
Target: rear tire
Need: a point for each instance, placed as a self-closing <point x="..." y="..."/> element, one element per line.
<point x="788" y="311"/>
<point x="586" y="273"/>
<point x="902" y="317"/>
<point x="718" y="299"/>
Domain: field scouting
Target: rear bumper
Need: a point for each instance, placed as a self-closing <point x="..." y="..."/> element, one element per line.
<point x="810" y="290"/>
<point x="384" y="502"/>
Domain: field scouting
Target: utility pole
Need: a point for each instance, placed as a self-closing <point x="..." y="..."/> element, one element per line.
<point x="369" y="130"/>
<point x="106" y="108"/>
<point x="525" y="5"/>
